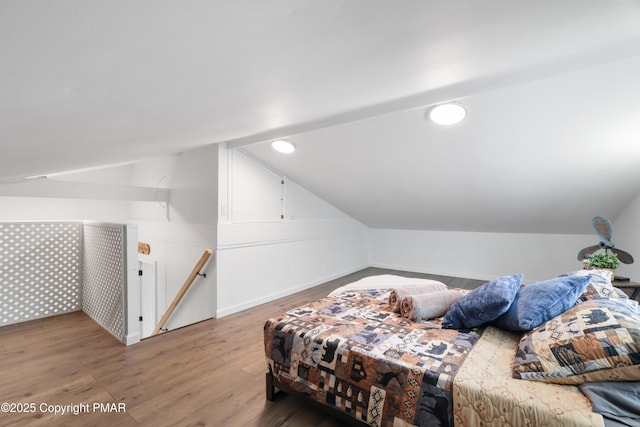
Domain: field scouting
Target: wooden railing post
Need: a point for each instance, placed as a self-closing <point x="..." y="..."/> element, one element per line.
<point x="185" y="287"/>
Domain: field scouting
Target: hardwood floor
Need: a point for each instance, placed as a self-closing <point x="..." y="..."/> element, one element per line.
<point x="208" y="374"/>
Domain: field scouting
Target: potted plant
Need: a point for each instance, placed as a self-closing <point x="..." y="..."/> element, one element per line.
<point x="604" y="261"/>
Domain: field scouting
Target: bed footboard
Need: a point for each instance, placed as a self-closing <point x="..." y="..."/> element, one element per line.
<point x="274" y="387"/>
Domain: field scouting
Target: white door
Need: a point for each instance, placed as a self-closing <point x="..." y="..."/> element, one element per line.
<point x="147" y="298"/>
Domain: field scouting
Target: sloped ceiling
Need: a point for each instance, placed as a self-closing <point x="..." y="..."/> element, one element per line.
<point x="541" y="157"/>
<point x="551" y="89"/>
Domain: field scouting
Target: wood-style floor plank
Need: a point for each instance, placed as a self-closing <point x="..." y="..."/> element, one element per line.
<point x="207" y="374"/>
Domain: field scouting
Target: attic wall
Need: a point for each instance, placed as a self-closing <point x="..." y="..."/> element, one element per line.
<point x="262" y="256"/>
<point x="483" y="256"/>
<point x="626" y="236"/>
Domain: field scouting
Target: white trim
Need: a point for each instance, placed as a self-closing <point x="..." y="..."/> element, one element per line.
<point x="49" y="188"/>
<point x="278" y="241"/>
<point x="131" y="339"/>
<point x="231" y="236"/>
<point x="132" y="286"/>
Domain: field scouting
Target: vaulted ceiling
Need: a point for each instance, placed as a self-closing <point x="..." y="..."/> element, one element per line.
<point x="552" y="136"/>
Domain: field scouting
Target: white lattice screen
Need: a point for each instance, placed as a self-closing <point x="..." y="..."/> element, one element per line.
<point x="39" y="270"/>
<point x="51" y="268"/>
<point x="104" y="276"/>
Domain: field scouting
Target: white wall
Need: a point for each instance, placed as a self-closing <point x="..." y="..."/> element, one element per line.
<point x="482" y="256"/>
<point x="626" y="236"/>
<point x="177" y="244"/>
<point x="60" y="209"/>
<point x="260" y="259"/>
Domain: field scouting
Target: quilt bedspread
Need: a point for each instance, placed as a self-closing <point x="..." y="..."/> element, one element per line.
<point x="486" y="394"/>
<point x="350" y="351"/>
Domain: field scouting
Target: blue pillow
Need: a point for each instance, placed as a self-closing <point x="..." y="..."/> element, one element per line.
<point x="539" y="302"/>
<point x="483" y="304"/>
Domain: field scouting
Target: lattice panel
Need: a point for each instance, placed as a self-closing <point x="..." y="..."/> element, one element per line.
<point x="39" y="270"/>
<point x="104" y="276"/>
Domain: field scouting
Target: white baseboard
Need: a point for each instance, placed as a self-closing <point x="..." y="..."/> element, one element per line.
<point x="131" y="339"/>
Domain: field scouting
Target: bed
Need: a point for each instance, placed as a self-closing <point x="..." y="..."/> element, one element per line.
<point x="354" y="355"/>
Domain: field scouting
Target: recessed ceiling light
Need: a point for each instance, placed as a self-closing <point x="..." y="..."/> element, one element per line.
<point x="447" y="114"/>
<point x="283" y="146"/>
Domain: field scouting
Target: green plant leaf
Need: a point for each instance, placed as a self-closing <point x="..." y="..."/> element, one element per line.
<point x="604" y="260"/>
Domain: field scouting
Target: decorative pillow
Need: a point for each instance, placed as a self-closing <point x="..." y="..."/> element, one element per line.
<point x="600" y="285"/>
<point x="483" y="304"/>
<point x="593" y="291"/>
<point x="598" y="340"/>
<point x="538" y="302"/>
<point x="600" y="282"/>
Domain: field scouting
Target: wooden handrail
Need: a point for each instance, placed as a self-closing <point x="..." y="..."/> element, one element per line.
<point x="185" y="287"/>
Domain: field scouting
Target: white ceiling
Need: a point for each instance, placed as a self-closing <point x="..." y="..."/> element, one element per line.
<point x="552" y="136"/>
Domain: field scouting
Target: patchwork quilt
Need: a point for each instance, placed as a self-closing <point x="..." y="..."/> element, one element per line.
<point x="352" y="352"/>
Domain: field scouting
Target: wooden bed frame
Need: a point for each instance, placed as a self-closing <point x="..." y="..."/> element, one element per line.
<point x="274" y="387"/>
